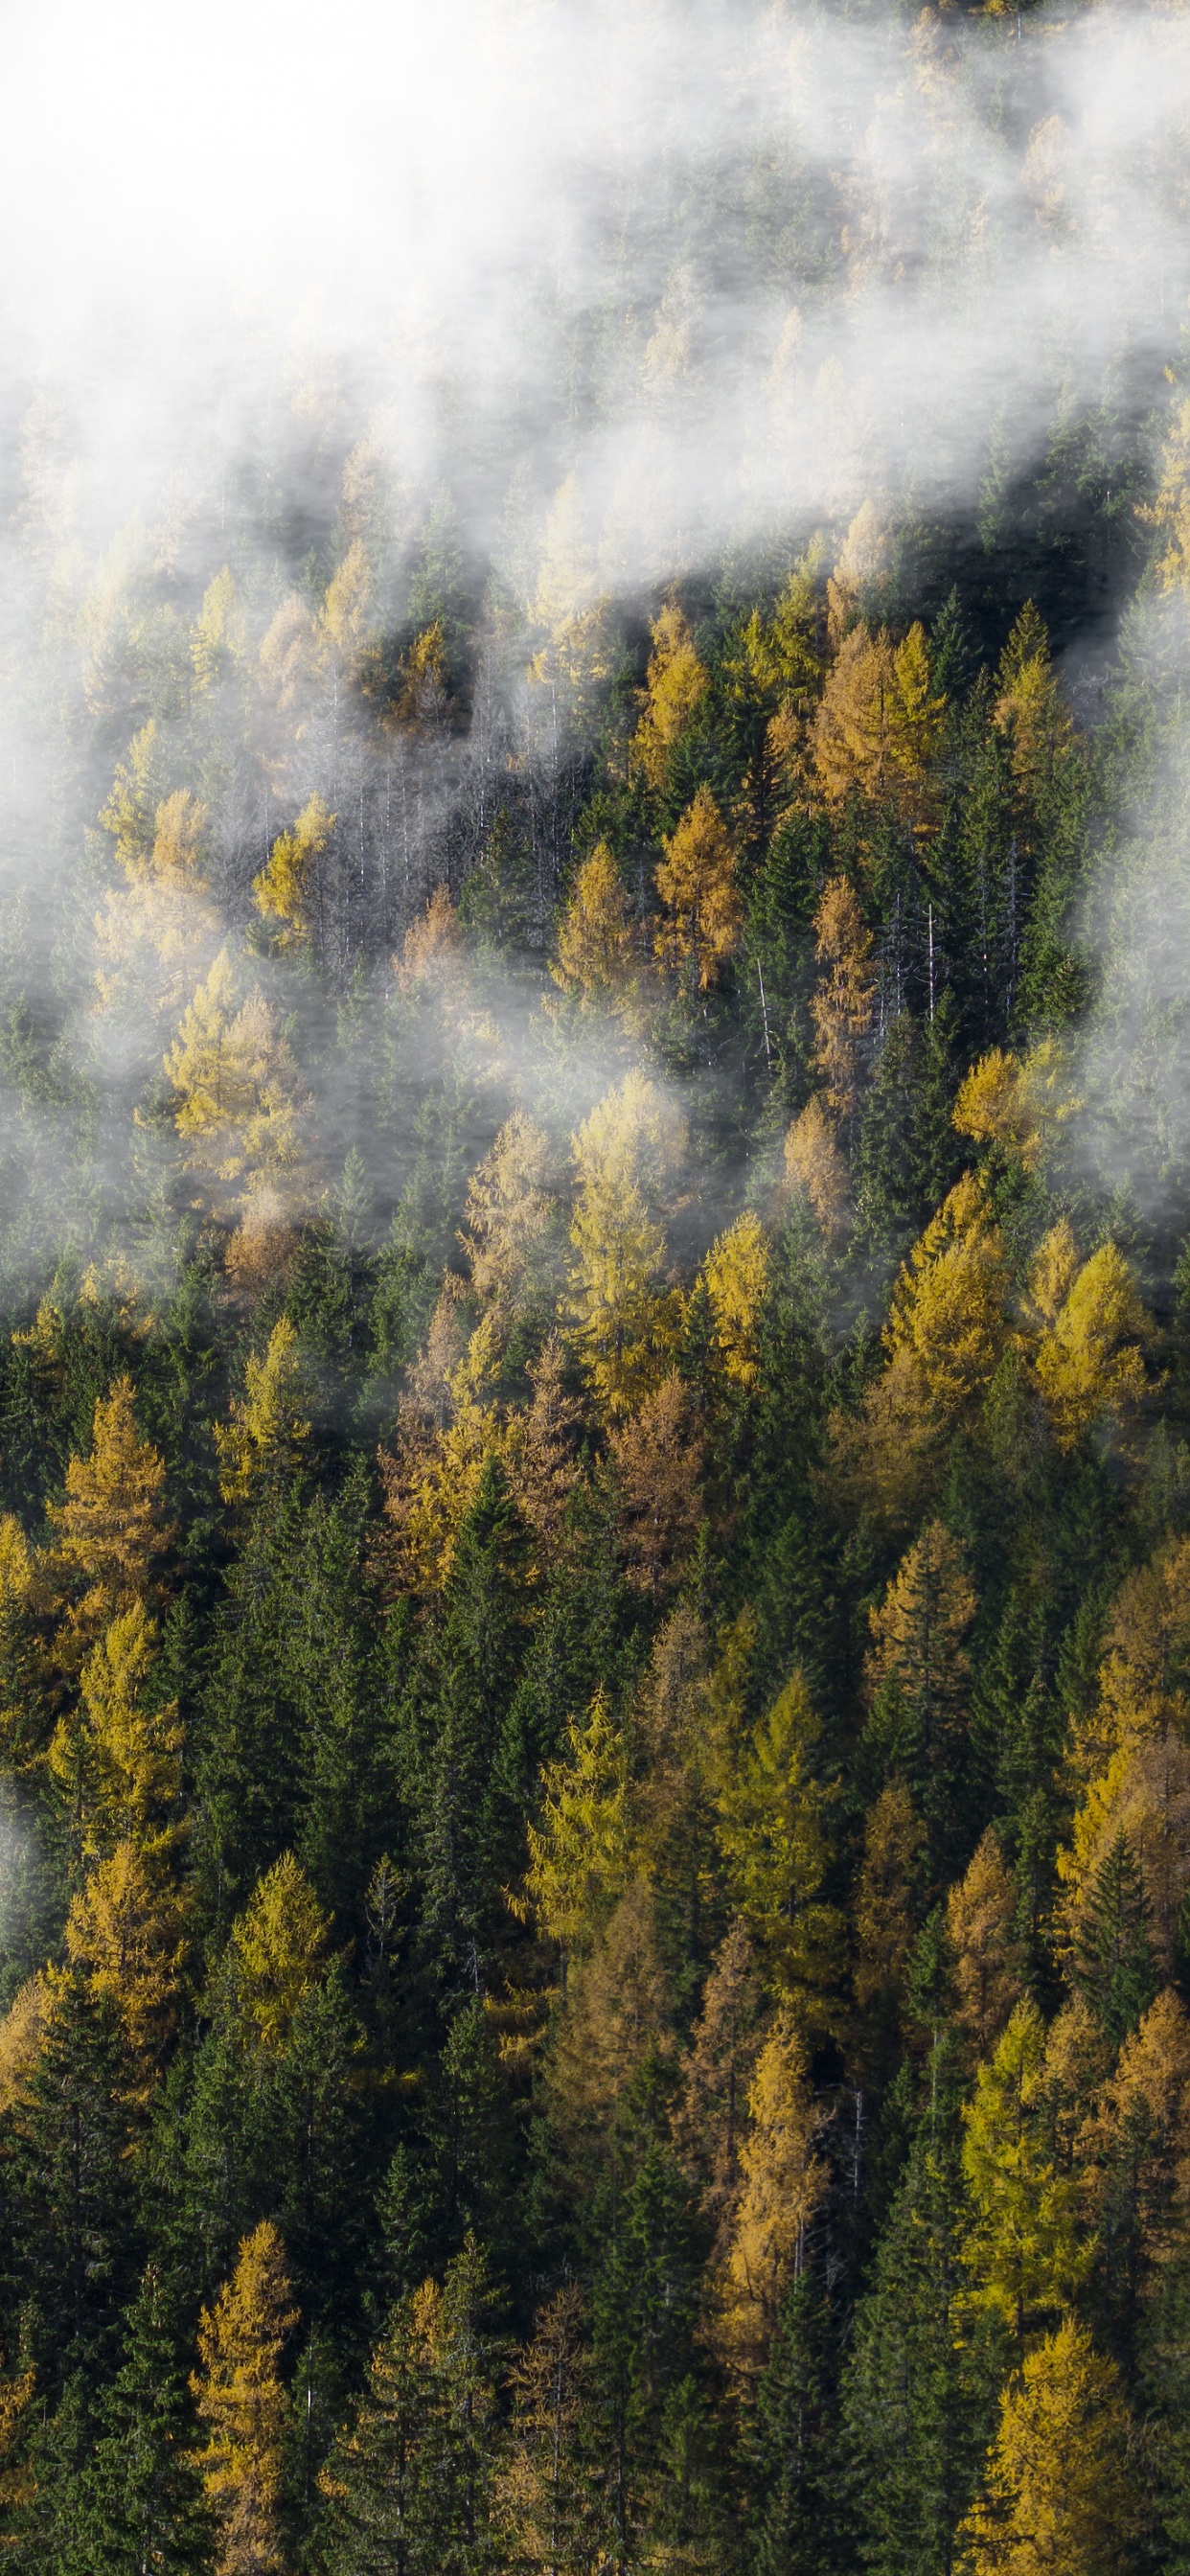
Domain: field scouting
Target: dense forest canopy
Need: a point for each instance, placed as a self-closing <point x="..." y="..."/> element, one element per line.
<point x="595" y="1306"/>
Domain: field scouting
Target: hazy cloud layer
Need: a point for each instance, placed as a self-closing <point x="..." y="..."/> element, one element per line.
<point x="540" y="225"/>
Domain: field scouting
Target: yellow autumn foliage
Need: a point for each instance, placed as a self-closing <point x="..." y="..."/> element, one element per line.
<point x="267" y="1431"/>
<point x="735" y="1273"/>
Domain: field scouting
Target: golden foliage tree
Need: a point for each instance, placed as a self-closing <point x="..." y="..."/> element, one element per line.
<point x="1031" y="710"/>
<point x="219" y="635"/>
<point x="675" y="682"/>
<point x="1087" y="1360"/>
<point x="878" y="723"/>
<point x="656" y="1458"/>
<point x="237" y="1109"/>
<point x="597" y="962"/>
<point x="543" y="1469"/>
<point x="1025" y="2253"/>
<point x="241" y="2399"/>
<point x="711" y="2115"/>
<point x="736" y="1276"/>
<point x="989" y="1959"/>
<point x="887" y="1895"/>
<point x="111" y="1529"/>
<point x="507" y="1209"/>
<point x="841" y="1004"/>
<point x="1134" y="2146"/>
<point x="1017" y="1102"/>
<point x="157" y="933"/>
<point x="548" y="2507"/>
<point x="424" y="703"/>
<point x="625" y="1319"/>
<point x="432" y="958"/>
<point x="1060" y="2489"/>
<point x="124" y="1930"/>
<point x="275" y="1953"/>
<point x="289" y="889"/>
<point x="138" y="788"/>
<point x="948" y="1316"/>
<point x="814" y="1164"/>
<point x="578" y="1854"/>
<point x="696" y="881"/>
<point x="1144" y="1673"/>
<point x="783" y="2180"/>
<point x="617" y="2016"/>
<point x="119" y="1760"/>
<point x="1144" y="1794"/>
<point x="266" y="1433"/>
<point x="21" y="2033"/>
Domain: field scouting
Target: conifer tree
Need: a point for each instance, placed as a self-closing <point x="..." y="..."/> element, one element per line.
<point x="1060" y="2489"/>
<point x="919" y="2386"/>
<point x="240" y="2397"/>
<point x="1025" y="2252"/>
<point x="140" y="2499"/>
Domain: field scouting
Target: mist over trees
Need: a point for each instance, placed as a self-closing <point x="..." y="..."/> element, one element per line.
<point x="595" y="1367"/>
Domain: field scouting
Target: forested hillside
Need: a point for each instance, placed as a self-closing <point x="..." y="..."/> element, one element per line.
<point x="595" y="1478"/>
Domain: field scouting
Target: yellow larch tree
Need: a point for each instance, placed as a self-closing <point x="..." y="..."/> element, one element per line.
<point x="989" y="1958"/>
<point x="424" y="703"/>
<point x="919" y="1634"/>
<point x="21" y="2034"/>
<point x="1031" y="710"/>
<point x="841" y="1004"/>
<point x="125" y="1931"/>
<point x="1133" y="2147"/>
<point x="696" y="881"/>
<point x="158" y="932"/>
<point x="111" y="1530"/>
<point x="948" y="1315"/>
<point x="507" y="1210"/>
<point x="656" y="1459"/>
<point x="544" y="1468"/>
<point x="1060" y="2489"/>
<point x="275" y="1953"/>
<point x="242" y="2400"/>
<point x="1016" y="1102"/>
<point x="289" y="889"/>
<point x="432" y="957"/>
<point x="1169" y="510"/>
<point x="266" y="1434"/>
<point x="710" y="2119"/>
<point x="887" y="1895"/>
<point x="625" y="1318"/>
<point x="1026" y="2253"/>
<point x="219" y="635"/>
<point x="138" y="788"/>
<point x="237" y="1109"/>
<point x="579" y="1853"/>
<point x="1143" y="1793"/>
<point x="118" y="1760"/>
<point x="1088" y="1356"/>
<point x="597" y="961"/>
<point x="814" y="1164"/>
<point x="548" y="2500"/>
<point x="617" y="2016"/>
<point x="877" y="728"/>
<point x="736" y="1276"/>
<point x="675" y="682"/>
<point x="347" y="620"/>
<point x="783" y="2181"/>
<point x="1144" y="1672"/>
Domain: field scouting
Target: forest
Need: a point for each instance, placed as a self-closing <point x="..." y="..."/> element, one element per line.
<point x="595" y="1475"/>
